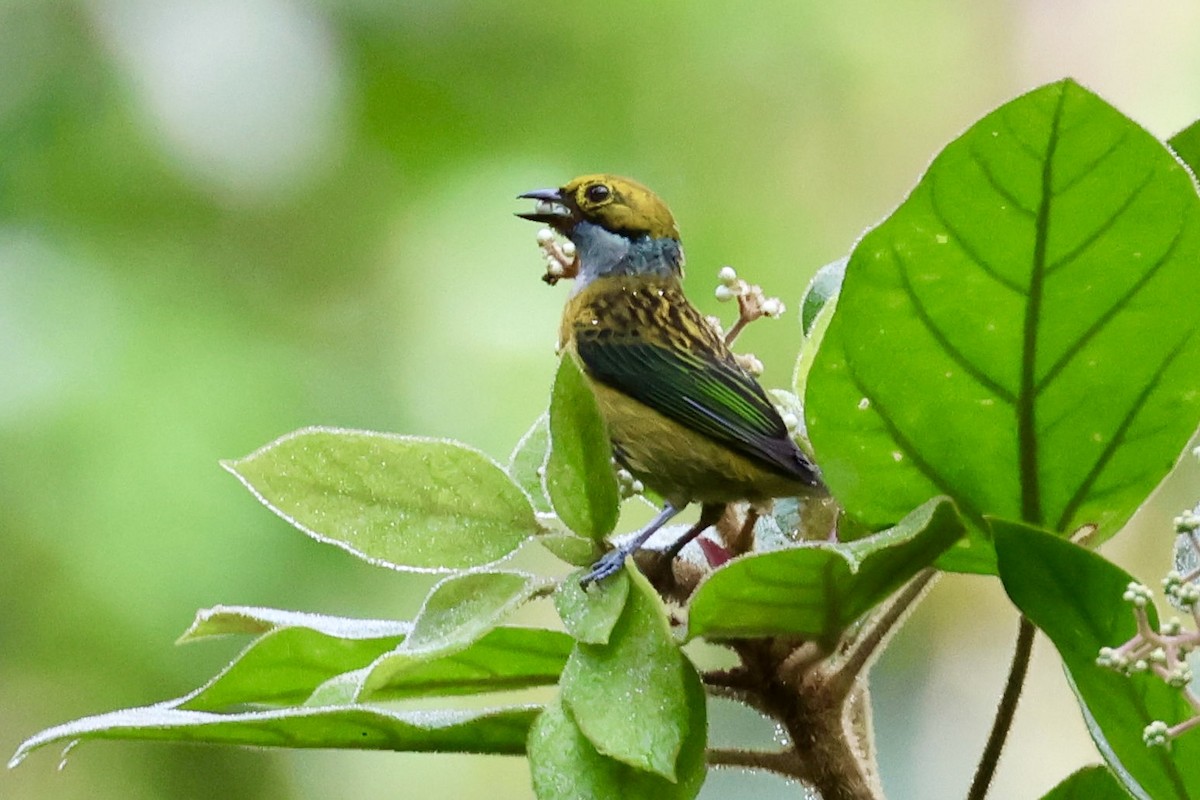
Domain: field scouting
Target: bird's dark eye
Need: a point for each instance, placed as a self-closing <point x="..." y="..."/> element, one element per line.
<point x="597" y="193"/>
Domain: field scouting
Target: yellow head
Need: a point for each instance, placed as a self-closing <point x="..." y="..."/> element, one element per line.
<point x="618" y="227"/>
<point x="618" y="205"/>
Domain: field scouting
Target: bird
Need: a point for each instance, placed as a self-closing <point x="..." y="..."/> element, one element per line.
<point x="683" y="416"/>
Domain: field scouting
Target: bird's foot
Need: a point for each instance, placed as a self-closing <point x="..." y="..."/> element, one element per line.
<point x="608" y="565"/>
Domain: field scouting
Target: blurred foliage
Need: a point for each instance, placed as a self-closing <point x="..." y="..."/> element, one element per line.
<point x="220" y="222"/>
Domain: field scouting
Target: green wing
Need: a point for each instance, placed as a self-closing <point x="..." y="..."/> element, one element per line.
<point x="699" y="387"/>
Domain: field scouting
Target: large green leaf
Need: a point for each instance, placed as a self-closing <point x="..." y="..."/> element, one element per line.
<point x="628" y="695"/>
<point x="817" y="590"/>
<point x="1019" y="334"/>
<point x="579" y="471"/>
<point x="501" y="731"/>
<point x="399" y="501"/>
<point x="1089" y="783"/>
<point x="1074" y="596"/>
<point x="565" y="765"/>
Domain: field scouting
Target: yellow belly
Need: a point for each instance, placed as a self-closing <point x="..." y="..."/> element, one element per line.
<point x="680" y="464"/>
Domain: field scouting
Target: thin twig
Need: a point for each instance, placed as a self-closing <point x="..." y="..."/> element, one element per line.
<point x="1005" y="712"/>
<point x="872" y="638"/>
<point x="735" y="329"/>
<point x="777" y="761"/>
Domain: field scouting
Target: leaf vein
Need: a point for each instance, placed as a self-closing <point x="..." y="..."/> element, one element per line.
<point x="1118" y="437"/>
<point x="944" y="341"/>
<point x="1097" y="161"/>
<point x="1108" y="315"/>
<point x="907" y="446"/>
<point x="1102" y="228"/>
<point x="998" y="187"/>
<point x="964" y="245"/>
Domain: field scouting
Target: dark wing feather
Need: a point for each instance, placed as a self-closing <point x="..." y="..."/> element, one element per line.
<point x="697" y="385"/>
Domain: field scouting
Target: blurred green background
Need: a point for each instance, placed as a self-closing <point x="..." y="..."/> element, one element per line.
<point x="221" y="221"/>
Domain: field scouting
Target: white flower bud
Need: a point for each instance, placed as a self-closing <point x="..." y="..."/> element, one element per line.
<point x="1155" y="734"/>
<point x="727" y="276"/>
<point x="545" y="236"/>
<point x="568" y="249"/>
<point x="750" y="363"/>
<point x="724" y="293"/>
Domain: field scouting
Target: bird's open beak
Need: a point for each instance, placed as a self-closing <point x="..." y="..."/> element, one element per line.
<point x="550" y="208"/>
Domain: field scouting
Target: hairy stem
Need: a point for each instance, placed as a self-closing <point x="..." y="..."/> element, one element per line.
<point x="815" y="720"/>
<point x="1004" y="714"/>
<point x="779" y="762"/>
<point x="877" y="632"/>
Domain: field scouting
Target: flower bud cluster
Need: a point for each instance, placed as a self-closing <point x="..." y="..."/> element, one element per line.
<point x="1163" y="653"/>
<point x="560" y="256"/>
<point x="628" y="485"/>
<point x="752" y="301"/>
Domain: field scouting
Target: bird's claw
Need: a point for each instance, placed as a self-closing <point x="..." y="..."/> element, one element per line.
<point x="608" y="565"/>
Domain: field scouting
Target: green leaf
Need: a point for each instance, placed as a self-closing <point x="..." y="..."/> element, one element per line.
<point x="589" y="615"/>
<point x="566" y="546"/>
<point x="503" y="660"/>
<point x="566" y="766"/>
<point x="628" y="696"/>
<point x="462" y="608"/>
<point x="1186" y="145"/>
<point x="328" y="661"/>
<point x="823" y="288"/>
<point x="1020" y="334"/>
<point x="397" y="501"/>
<point x="283" y="667"/>
<point x="501" y="731"/>
<point x="1089" y="783"/>
<point x="579" y="473"/>
<point x="459" y="611"/>
<point x="1074" y="596"/>
<point x="226" y="620"/>
<point x="527" y="464"/>
<point x="818" y="590"/>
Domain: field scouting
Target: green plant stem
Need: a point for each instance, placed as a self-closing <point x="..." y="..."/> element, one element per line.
<point x="1005" y="712"/>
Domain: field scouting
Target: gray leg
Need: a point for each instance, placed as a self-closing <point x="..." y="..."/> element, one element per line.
<point x="709" y="514"/>
<point x="612" y="561"/>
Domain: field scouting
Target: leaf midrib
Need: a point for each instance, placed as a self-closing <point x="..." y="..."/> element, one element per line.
<point x="1027" y="443"/>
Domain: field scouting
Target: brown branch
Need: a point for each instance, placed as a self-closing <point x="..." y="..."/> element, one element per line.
<point x="877" y="632"/>
<point x="778" y="761"/>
